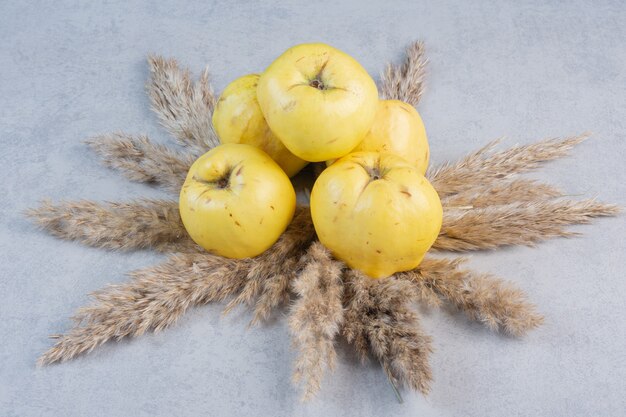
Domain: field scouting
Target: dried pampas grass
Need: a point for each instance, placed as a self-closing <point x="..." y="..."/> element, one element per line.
<point x="523" y="223"/>
<point x="141" y="160"/>
<point x="405" y="82"/>
<point x="485" y="206"/>
<point x="153" y="300"/>
<point x="482" y="297"/>
<point x="183" y="107"/>
<point x="270" y="264"/>
<point x="486" y="167"/>
<point x="501" y="193"/>
<point x="157" y="296"/>
<point x="380" y="319"/>
<point x="133" y="225"/>
<point x="316" y="317"/>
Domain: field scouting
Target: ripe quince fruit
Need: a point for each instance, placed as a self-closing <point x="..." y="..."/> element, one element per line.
<point x="238" y="119"/>
<point x="398" y="129"/>
<point x="376" y="212"/>
<point x="319" y="101"/>
<point x="236" y="201"/>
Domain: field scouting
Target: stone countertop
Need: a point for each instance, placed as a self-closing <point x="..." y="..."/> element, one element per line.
<point x="524" y="70"/>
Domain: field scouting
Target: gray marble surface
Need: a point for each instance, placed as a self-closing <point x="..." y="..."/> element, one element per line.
<point x="525" y="70"/>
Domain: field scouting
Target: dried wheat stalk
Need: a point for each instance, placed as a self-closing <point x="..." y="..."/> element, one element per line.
<point x="379" y="318"/>
<point x="483" y="167"/>
<point x="157" y="224"/>
<point x="275" y="291"/>
<point x="133" y="225"/>
<point x="515" y="224"/>
<point x="141" y="160"/>
<point x="183" y="107"/>
<point x="156" y="297"/>
<point x="270" y="264"/>
<point x="405" y="82"/>
<point x="482" y="297"/>
<point x="501" y="193"/>
<point x="316" y="317"/>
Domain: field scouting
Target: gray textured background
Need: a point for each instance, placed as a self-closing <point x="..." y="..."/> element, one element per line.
<point x="523" y="70"/>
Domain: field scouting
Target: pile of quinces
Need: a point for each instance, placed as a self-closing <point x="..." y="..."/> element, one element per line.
<point x="371" y="207"/>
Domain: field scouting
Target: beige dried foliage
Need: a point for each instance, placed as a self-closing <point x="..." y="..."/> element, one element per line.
<point x="133" y="225"/>
<point x="405" y="82"/>
<point x="271" y="264"/>
<point x="501" y="193"/>
<point x="184" y="108"/>
<point x="524" y="223"/>
<point x="156" y="297"/>
<point x="482" y="297"/>
<point x="157" y="224"/>
<point x="357" y="301"/>
<point x="275" y="291"/>
<point x="142" y="160"/>
<point x="380" y="318"/>
<point x="153" y="300"/>
<point x="485" y="167"/>
<point x="316" y="317"/>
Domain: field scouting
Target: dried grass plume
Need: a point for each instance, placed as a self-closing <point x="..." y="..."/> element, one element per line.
<point x="133" y="225"/>
<point x="316" y="317"/>
<point x="482" y="297"/>
<point x="405" y="82"/>
<point x="142" y="160"/>
<point x="485" y="167"/>
<point x="380" y="319"/>
<point x="184" y="107"/>
<point x="157" y="296"/>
